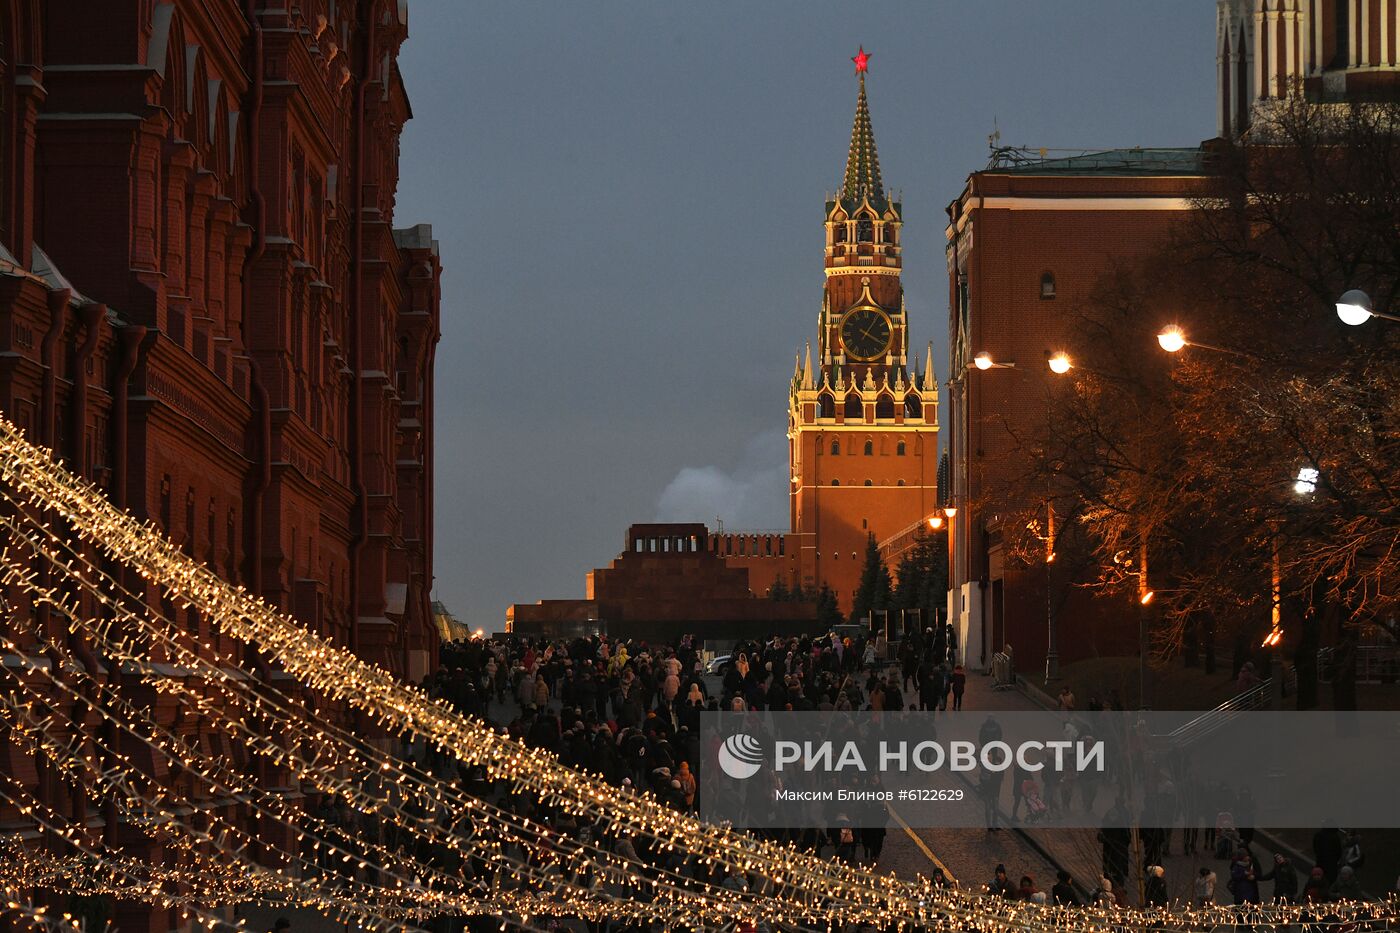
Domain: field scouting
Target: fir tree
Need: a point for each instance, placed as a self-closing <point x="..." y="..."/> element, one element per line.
<point x="874" y="590"/>
<point x="828" y="609"/>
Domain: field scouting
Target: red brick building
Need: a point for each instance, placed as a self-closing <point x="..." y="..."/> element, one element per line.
<point x="205" y="306"/>
<point x="1028" y="240"/>
<point x="670" y="579"/>
<point x="1030" y="236"/>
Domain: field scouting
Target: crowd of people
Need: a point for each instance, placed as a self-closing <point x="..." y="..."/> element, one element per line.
<point x="629" y="712"/>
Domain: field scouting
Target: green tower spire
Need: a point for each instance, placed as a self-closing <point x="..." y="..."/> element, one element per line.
<point x="863" y="162"/>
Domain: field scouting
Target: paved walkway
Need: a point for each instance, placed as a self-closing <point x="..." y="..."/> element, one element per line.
<point x="973" y="854"/>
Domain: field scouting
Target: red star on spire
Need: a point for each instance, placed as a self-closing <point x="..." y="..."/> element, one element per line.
<point x="862" y="60"/>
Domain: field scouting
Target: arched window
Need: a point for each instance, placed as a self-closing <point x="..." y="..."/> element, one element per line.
<point x="1047" y="286"/>
<point x="836" y="482"/>
<point x="869" y="447"/>
<point x="884" y="407"/>
<point x="855" y="411"/>
<point x="826" y="406"/>
<point x="900" y="483"/>
<point x="891" y="234"/>
<point x="835" y="447"/>
<point x="869" y="483"/>
<point x="913" y="408"/>
<point x="865" y="230"/>
<point x="838" y="235"/>
<point x="899" y="449"/>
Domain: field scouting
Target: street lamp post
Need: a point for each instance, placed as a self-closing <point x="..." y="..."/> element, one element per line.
<point x="1354" y="308"/>
<point x="1052" y="654"/>
<point x="935" y="522"/>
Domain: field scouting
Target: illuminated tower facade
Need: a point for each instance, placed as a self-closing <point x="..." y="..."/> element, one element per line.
<point x="1322" y="50"/>
<point x="862" y="422"/>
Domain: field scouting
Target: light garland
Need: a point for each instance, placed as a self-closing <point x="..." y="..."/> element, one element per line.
<point x="525" y="836"/>
<point x="340" y="675"/>
<point x="289" y="890"/>
<point x="726" y="910"/>
<point x="343" y="676"/>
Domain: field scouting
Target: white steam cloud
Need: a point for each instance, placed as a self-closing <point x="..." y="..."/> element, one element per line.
<point x="751" y="496"/>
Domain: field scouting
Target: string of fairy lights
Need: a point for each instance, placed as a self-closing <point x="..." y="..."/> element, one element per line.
<point x="456" y="905"/>
<point x="805" y="905"/>
<point x="525" y="833"/>
<point x="118" y="876"/>
<point x="343" y="676"/>
<point x="531" y="832"/>
<point x="63" y="524"/>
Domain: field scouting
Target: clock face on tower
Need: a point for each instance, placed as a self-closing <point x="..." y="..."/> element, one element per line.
<point x="865" y="333"/>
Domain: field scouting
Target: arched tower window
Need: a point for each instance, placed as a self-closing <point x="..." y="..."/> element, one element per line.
<point x="1047" y="286"/>
<point x="913" y="408"/>
<point x="865" y="230"/>
<point x="899" y="449"/>
<point x="826" y="406"/>
<point x="838" y="233"/>
<point x="836" y="482"/>
<point x="854" y="409"/>
<point x="869" y="447"/>
<point x="869" y="483"/>
<point x="884" y="407"/>
<point x="835" y="447"/>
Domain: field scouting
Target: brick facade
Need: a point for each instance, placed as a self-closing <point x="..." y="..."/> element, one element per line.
<point x="671" y="579"/>
<point x="1027" y="244"/>
<point x="205" y="307"/>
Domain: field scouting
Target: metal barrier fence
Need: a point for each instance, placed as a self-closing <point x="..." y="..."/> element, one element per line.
<point x="1003" y="671"/>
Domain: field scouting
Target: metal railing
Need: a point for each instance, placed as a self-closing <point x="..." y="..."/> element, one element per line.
<point x="1257" y="697"/>
<point x="1375" y="664"/>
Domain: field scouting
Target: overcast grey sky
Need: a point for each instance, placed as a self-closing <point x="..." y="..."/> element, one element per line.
<point x="629" y="201"/>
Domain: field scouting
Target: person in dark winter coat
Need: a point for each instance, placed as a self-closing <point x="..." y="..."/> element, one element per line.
<point x="1063" y="892"/>
<point x="1244" y="881"/>
<point x="1315" y="891"/>
<point x="1327" y="850"/>
<point x="1285" y="879"/>
<point x="1154" y="893"/>
<point x="1000" y="885"/>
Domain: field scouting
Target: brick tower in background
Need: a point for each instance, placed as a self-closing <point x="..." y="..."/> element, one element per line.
<point x="862" y="424"/>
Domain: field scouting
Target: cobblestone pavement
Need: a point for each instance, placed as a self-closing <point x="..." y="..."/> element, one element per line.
<point x="969" y="855"/>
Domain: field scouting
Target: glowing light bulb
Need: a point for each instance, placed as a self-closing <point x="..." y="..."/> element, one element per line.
<point x="1172" y="339"/>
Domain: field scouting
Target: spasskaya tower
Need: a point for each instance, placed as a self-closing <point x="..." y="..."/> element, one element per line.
<point x="862" y="423"/>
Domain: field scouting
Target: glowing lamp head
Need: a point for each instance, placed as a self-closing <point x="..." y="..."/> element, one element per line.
<point x="1060" y="364"/>
<point x="1354" y="307"/>
<point x="982" y="360"/>
<point x="1306" y="483"/>
<point x="1146" y="597"/>
<point x="1172" y="339"/>
<point x="950" y="511"/>
<point x="936" y="522"/>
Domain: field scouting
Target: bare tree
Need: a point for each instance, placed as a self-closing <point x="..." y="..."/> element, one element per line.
<point x="1190" y="463"/>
